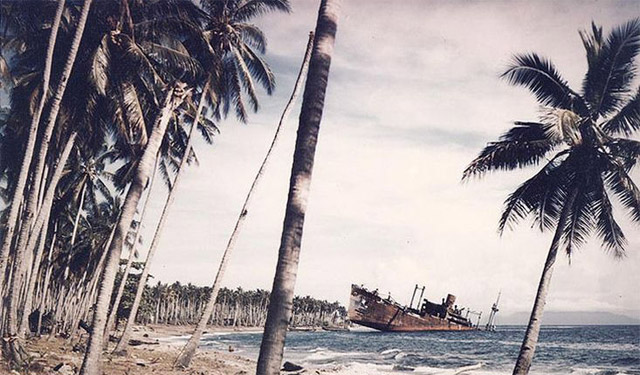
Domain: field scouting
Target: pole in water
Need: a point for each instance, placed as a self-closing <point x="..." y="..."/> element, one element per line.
<point x="492" y="316"/>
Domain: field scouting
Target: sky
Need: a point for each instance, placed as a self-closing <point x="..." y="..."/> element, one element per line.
<point x="414" y="94"/>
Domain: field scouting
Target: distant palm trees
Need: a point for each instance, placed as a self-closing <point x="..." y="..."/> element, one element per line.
<point x="581" y="140"/>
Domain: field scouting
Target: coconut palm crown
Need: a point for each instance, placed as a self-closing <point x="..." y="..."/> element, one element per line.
<point x="581" y="138"/>
<point x="585" y="142"/>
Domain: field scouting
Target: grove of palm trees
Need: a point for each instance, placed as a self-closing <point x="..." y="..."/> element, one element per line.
<point x="186" y="186"/>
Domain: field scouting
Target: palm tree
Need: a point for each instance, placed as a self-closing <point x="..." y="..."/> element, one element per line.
<point x="174" y="97"/>
<point x="132" y="252"/>
<point x="230" y="47"/>
<point x="18" y="192"/>
<point x="14" y="354"/>
<point x="280" y="303"/>
<point x="228" y="54"/>
<point x="31" y="205"/>
<point x="587" y="164"/>
<point x="87" y="179"/>
<point x="188" y="351"/>
<point x="12" y="345"/>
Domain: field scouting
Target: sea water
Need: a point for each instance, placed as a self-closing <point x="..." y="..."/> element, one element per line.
<point x="596" y="350"/>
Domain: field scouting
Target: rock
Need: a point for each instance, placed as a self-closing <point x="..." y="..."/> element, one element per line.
<point x="290" y="367"/>
<point x="38" y="366"/>
<point x="403" y="368"/>
<point x="64" y="369"/>
<point x="141" y="362"/>
<point x="145" y="335"/>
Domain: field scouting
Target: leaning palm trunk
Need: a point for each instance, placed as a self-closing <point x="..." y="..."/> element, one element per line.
<point x="31" y="203"/>
<point x="32" y="200"/>
<point x="45" y="282"/>
<point x="12" y="345"/>
<point x="29" y="294"/>
<point x="121" y="347"/>
<point x="18" y="193"/>
<point x="91" y="362"/>
<point x="125" y="275"/>
<point x="281" y="300"/>
<point x="189" y="350"/>
<point x="528" y="348"/>
<point x="74" y="233"/>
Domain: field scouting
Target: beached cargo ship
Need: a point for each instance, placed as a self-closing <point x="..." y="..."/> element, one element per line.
<point x="369" y="309"/>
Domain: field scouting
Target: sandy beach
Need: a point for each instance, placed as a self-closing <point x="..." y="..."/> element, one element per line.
<point x="156" y="356"/>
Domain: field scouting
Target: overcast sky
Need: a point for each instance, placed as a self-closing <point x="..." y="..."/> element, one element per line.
<point x="414" y="94"/>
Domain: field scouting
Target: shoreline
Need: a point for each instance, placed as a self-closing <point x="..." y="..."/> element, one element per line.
<point x="154" y="355"/>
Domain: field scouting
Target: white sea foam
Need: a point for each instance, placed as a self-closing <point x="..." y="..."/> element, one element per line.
<point x="389" y="351"/>
<point x="318" y="349"/>
<point x="326" y="355"/>
<point x="591" y="346"/>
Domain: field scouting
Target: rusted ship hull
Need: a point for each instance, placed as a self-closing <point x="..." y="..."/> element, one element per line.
<point x="370" y="310"/>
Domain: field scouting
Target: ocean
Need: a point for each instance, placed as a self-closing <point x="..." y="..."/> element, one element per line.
<point x="596" y="350"/>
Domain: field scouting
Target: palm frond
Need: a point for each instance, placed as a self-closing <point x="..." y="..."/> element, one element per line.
<point x="592" y="42"/>
<point x="607" y="229"/>
<point x="252" y="36"/>
<point x="617" y="179"/>
<point x="254" y="8"/>
<point x="580" y="219"/>
<point x="541" y="77"/>
<point x="99" y="74"/>
<point x="259" y="69"/>
<point x="523" y="145"/>
<point x="133" y="114"/>
<point x="542" y="195"/>
<point x="606" y="84"/>
<point x="627" y="120"/>
<point x="625" y="151"/>
<point x="245" y="78"/>
<point x="181" y="65"/>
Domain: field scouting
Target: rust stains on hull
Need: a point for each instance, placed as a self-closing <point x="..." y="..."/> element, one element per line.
<point x="370" y="310"/>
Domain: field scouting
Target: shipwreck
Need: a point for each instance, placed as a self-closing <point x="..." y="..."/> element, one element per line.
<point x="369" y="309"/>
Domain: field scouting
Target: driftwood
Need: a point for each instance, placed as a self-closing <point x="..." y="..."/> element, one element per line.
<point x="134" y="342"/>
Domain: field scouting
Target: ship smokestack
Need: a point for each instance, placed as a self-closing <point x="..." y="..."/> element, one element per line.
<point x="451" y="299"/>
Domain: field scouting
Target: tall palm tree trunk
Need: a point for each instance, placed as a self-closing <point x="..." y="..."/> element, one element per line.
<point x="189" y="350"/>
<point x="74" y="233"/>
<point x="32" y="200"/>
<point x="45" y="282"/>
<point x="18" y="193"/>
<point x="29" y="294"/>
<point x="12" y="345"/>
<point x="281" y="300"/>
<point x="528" y="348"/>
<point x="121" y="347"/>
<point x="91" y="364"/>
<point x="125" y="275"/>
<point x="31" y="203"/>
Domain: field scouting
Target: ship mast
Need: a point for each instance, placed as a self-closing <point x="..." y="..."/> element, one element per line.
<point x="491" y="326"/>
<point x="414" y="295"/>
